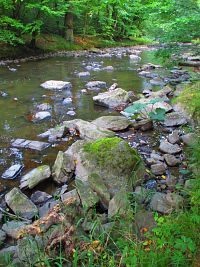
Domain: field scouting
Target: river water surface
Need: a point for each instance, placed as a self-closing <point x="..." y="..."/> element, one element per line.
<point x="24" y="85"/>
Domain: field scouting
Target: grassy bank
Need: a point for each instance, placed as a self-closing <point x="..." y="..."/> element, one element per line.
<point x="52" y="43"/>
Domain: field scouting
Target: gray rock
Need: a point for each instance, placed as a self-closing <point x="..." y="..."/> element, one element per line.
<point x="2" y="237"/>
<point x="95" y="85"/>
<point x="144" y="219"/>
<point x="143" y="125"/>
<point x="173" y="138"/>
<point x="40" y="197"/>
<point x="158" y="169"/>
<point x="12" y="172"/>
<point x="97" y="185"/>
<point x="71" y="113"/>
<point x="43" y="211"/>
<point x="44" y="107"/>
<point x="147" y="74"/>
<point x="171" y="160"/>
<point x="71" y="194"/>
<point x="112" y="99"/>
<point x="114" y="161"/>
<point x="169" y="148"/>
<point x="7" y="253"/>
<point x="140" y="194"/>
<point x="135" y="58"/>
<point x="56" y="85"/>
<point x="12" y="228"/>
<point x="87" y="130"/>
<point x="156" y="156"/>
<point x="41" y="115"/>
<point x="149" y="106"/>
<point x="35" y="145"/>
<point x="113" y="123"/>
<point x="166" y="203"/>
<point x="63" y="167"/>
<point x="157" y="81"/>
<point x="83" y="74"/>
<point x="108" y="68"/>
<point x="189" y="139"/>
<point x="119" y="205"/>
<point x="174" y="119"/>
<point x="27" y="250"/>
<point x="35" y="176"/>
<point x="88" y="197"/>
<point x="20" y="204"/>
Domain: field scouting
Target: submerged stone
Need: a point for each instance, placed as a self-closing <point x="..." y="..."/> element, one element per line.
<point x="56" y="85"/>
<point x="12" y="172"/>
<point x="35" y="145"/>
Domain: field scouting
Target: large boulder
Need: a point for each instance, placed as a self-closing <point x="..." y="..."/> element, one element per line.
<point x="113" y="123"/>
<point x="35" y="176"/>
<point x="119" y="165"/>
<point x="21" y="204"/>
<point x="112" y="98"/>
<point x="56" y="85"/>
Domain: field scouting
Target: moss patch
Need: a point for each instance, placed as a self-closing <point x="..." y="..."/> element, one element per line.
<point x="113" y="154"/>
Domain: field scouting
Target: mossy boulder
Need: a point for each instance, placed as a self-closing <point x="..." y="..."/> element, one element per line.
<point x="112" y="159"/>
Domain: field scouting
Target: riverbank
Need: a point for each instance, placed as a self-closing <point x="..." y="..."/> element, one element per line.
<point x="47" y="43"/>
<point x="132" y="178"/>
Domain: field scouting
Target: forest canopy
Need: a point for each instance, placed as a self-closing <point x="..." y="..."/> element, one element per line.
<point x="165" y="20"/>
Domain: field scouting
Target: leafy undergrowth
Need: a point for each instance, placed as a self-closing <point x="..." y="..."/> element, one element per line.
<point x="54" y="43"/>
<point x="190" y="99"/>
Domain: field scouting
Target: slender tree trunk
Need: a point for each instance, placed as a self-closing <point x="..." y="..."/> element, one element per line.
<point x="33" y="40"/>
<point x="69" y="29"/>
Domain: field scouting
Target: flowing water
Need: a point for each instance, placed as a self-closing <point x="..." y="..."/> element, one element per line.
<point x="24" y="84"/>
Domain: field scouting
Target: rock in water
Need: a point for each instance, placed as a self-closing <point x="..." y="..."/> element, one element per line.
<point x="56" y="85"/>
<point x="95" y="85"/>
<point x="169" y="148"/>
<point x="12" y="172"/>
<point x="35" y="176"/>
<point x="112" y="99"/>
<point x="35" y="145"/>
<point x="20" y="204"/>
<point x="41" y="115"/>
<point x="83" y="74"/>
<point x="113" y="123"/>
<point x="166" y="203"/>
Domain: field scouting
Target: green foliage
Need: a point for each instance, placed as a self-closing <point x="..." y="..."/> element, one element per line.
<point x="157" y="115"/>
<point x="190" y="99"/>
<point x="140" y="109"/>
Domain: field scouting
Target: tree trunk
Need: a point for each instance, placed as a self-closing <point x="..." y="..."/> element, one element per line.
<point x="33" y="40"/>
<point x="69" y="31"/>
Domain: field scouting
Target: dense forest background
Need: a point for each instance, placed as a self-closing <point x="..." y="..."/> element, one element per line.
<point x="22" y="21"/>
